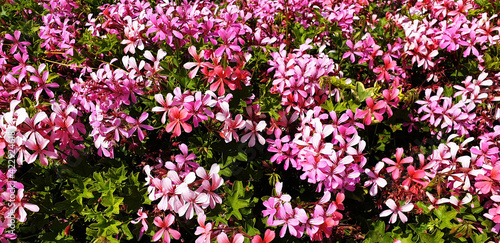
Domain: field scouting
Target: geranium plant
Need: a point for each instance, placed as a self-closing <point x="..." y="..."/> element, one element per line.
<point x="249" y="121"/>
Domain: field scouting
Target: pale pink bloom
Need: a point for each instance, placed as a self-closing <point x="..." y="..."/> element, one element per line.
<point x="396" y="211"/>
<point x="142" y="218"/>
<point x="192" y="204"/>
<point x="376" y="180"/>
<point x="198" y="64"/>
<point x="254" y="129"/>
<point x="19" y="205"/>
<point x="222" y="238"/>
<point x="454" y="200"/>
<point x="165" y="105"/>
<point x="39" y="144"/>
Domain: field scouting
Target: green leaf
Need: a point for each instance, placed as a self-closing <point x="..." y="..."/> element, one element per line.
<point x="376" y="234"/>
<point x="235" y="202"/>
<point x="479" y="238"/>
<point x="126" y="231"/>
<point x="445" y="216"/>
<point x="437" y="237"/>
<point x="242" y="156"/>
<point x="80" y="191"/>
<point x="112" y="203"/>
<point x="363" y="93"/>
<point x="423" y="206"/>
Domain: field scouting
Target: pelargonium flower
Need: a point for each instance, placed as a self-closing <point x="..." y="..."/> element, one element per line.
<point x="396" y="211"/>
<point x="254" y="129"/>
<point x="165" y="232"/>
<point x="178" y="119"/>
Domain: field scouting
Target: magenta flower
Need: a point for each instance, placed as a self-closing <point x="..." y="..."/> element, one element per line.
<point x="371" y="110"/>
<point x="396" y="211"/>
<point x="17" y="44"/>
<point x="41" y="77"/>
<point x="229" y="45"/>
<point x="137" y="125"/>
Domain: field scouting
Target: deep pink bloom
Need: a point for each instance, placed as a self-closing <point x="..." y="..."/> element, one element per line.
<point x="268" y="237"/>
<point x="389" y="64"/>
<point x="397" y="166"/>
<point x="371" y="110"/>
<point x="137" y="125"/>
<point x="177" y="119"/>
<point x="17" y="44"/>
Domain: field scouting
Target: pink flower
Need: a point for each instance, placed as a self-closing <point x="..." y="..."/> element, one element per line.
<point x="222" y="76"/>
<point x="371" y="110"/>
<point x="389" y="64"/>
<point x="17" y="44"/>
<point x="417" y="176"/>
<point x="165" y="232"/>
<point x="229" y="45"/>
<point x="204" y="230"/>
<point x="198" y="64"/>
<point x="192" y="203"/>
<point x="397" y="166"/>
<point x="485" y="183"/>
<point x="396" y="211"/>
<point x="254" y="129"/>
<point x="222" y="238"/>
<point x="19" y="205"/>
<point x="137" y="125"/>
<point x="39" y="144"/>
<point x="376" y="180"/>
<point x="142" y="218"/>
<point x="165" y="105"/>
<point x="177" y="119"/>
<point x="41" y="77"/>
<point x="268" y="237"/>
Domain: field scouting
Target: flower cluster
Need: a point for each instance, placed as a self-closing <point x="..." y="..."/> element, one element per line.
<point x="317" y="219"/>
<point x="323" y="87"/>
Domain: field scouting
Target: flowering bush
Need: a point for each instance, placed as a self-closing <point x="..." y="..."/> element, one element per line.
<point x="250" y="121"/>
